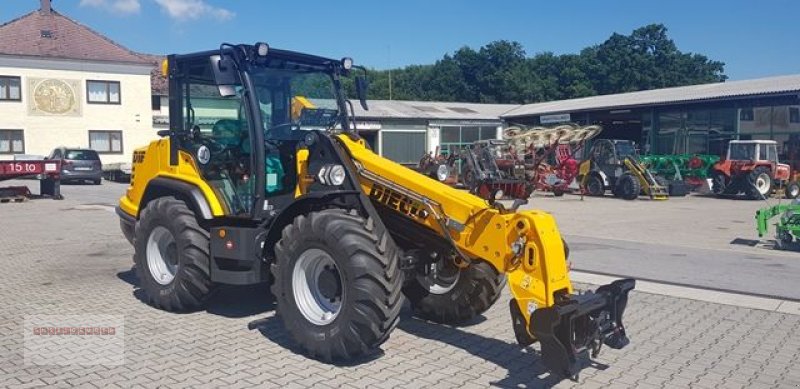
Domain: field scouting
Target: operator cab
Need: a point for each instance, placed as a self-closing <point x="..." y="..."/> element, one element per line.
<point x="753" y="150"/>
<point x="243" y="111"/>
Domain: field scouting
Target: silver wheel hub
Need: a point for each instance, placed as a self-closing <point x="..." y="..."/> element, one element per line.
<point x="435" y="282"/>
<point x="162" y="255"/>
<point x="763" y="182"/>
<point x="317" y="286"/>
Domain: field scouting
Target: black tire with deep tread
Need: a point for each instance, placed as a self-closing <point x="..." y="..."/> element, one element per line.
<point x="477" y="289"/>
<point x="628" y="187"/>
<point x="718" y="183"/>
<point x="368" y="262"/>
<point x="192" y="286"/>
<point x="595" y="186"/>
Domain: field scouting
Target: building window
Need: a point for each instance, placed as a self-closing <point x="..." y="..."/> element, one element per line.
<point x="746" y="115"/>
<point x="794" y="115"/>
<point x="456" y="138"/>
<point x="405" y="147"/>
<point x="106" y="142"/>
<point x="12" y="142"/>
<point x="156" y="103"/>
<point x="103" y="92"/>
<point x="10" y="88"/>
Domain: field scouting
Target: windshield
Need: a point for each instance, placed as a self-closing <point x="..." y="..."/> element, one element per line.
<point x="742" y="151"/>
<point x="82" y="155"/>
<point x="625" y="149"/>
<point x="290" y="99"/>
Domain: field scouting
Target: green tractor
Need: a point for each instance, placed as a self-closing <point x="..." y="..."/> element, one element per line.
<point x="787" y="229"/>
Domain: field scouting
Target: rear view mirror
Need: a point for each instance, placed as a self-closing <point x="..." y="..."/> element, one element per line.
<point x="224" y="73"/>
<point x="362" y="85"/>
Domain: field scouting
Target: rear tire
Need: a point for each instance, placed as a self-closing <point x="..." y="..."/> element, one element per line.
<point x="171" y="256"/>
<point x="760" y="183"/>
<point x="351" y="306"/>
<point x="474" y="290"/>
<point x="97" y="181"/>
<point x="628" y="187"/>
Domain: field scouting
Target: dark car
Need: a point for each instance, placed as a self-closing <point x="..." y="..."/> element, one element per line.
<point x="78" y="164"/>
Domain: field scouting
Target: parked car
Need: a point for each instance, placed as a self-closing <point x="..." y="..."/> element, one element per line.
<point x="78" y="165"/>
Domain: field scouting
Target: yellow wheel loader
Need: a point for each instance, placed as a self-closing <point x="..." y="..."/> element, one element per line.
<point x="262" y="177"/>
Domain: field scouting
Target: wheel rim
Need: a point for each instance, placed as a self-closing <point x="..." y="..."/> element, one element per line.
<point x="317" y="286"/>
<point x="763" y="183"/>
<point x="794" y="191"/>
<point x="439" y="281"/>
<point x="162" y="255"/>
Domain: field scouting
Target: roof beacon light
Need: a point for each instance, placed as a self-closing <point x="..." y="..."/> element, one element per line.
<point x="347" y="63"/>
<point x="262" y="49"/>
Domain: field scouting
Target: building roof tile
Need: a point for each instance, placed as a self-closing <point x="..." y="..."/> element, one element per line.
<point x="52" y="35"/>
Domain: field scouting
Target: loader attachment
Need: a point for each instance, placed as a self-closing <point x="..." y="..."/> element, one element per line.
<point x="576" y="327"/>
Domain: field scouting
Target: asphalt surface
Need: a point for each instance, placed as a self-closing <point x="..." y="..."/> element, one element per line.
<point x="766" y="273"/>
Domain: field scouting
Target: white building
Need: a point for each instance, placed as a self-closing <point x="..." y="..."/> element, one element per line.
<point x="63" y="84"/>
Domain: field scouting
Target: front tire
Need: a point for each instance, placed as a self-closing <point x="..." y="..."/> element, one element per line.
<point x="628" y="187"/>
<point x="337" y="284"/>
<point x="171" y="256"/>
<point x="458" y="296"/>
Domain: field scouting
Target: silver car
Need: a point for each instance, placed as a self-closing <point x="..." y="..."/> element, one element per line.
<point x="78" y="165"/>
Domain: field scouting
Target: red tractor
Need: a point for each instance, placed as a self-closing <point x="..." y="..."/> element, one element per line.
<point x="751" y="167"/>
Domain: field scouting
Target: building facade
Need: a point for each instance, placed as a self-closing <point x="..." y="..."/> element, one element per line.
<point x="698" y="119"/>
<point x="62" y="84"/>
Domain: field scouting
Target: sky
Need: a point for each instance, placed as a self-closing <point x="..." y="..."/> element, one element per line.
<point x="753" y="38"/>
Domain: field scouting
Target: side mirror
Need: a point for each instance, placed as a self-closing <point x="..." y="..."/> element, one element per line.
<point x="362" y="85"/>
<point x="224" y="73"/>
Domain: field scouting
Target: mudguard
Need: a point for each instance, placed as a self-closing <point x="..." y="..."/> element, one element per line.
<point x="579" y="324"/>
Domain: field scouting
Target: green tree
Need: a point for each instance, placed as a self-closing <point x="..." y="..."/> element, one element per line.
<point x="500" y="72"/>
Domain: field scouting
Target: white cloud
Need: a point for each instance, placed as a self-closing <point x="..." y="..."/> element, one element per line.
<point x="193" y="9"/>
<point x="117" y="6"/>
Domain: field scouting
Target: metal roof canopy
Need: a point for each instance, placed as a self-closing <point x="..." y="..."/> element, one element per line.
<point x="760" y="87"/>
<point x="432" y="110"/>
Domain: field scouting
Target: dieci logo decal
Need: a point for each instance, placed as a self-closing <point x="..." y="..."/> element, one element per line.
<point x="398" y="201"/>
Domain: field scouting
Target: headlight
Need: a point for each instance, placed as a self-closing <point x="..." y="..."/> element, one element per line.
<point x="332" y="175"/>
<point x="262" y="49"/>
<point x="347" y="63"/>
<point x="442" y="172"/>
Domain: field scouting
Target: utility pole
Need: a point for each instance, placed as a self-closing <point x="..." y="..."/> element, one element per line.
<point x="390" y="72"/>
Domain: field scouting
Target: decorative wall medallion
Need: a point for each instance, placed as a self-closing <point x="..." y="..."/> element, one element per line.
<point x="54" y="97"/>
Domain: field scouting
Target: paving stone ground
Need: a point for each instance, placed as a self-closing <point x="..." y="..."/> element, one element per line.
<point x="68" y="258"/>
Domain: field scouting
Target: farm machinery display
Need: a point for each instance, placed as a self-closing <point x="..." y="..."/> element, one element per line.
<point x="614" y="165"/>
<point x="549" y="153"/>
<point x="751" y="167"/>
<point x="439" y="166"/>
<point x="692" y="169"/>
<point x="787" y="229"/>
<point x="491" y="171"/>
